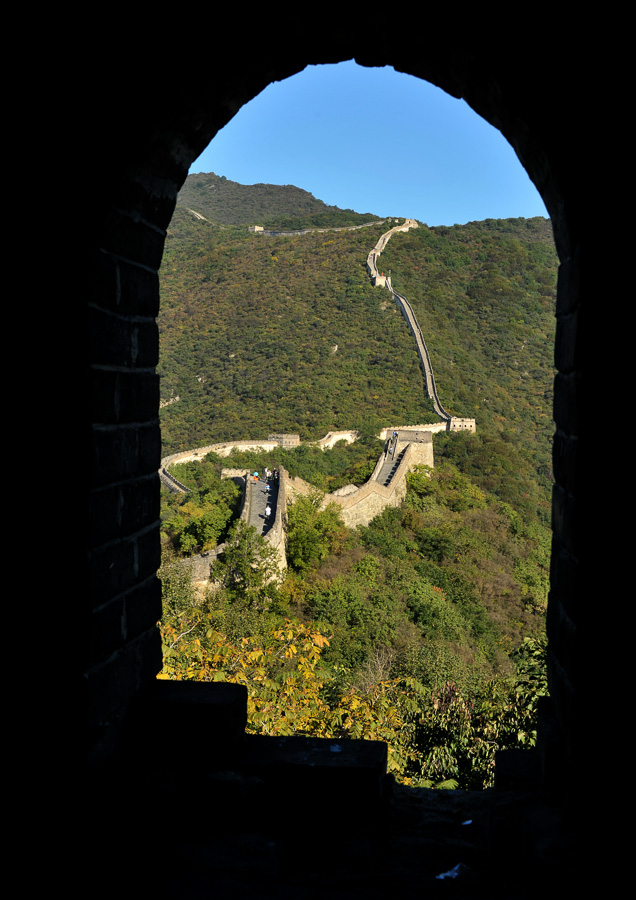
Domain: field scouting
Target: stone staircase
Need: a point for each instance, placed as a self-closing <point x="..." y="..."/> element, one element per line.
<point x="391" y="463"/>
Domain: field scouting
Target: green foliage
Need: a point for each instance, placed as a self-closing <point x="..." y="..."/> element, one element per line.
<point x="434" y="615"/>
<point x="198" y="521"/>
<point x="443" y="739"/>
<point x="177" y="592"/>
<point x="457" y="735"/>
<point x="248" y="565"/>
<point x="313" y="532"/>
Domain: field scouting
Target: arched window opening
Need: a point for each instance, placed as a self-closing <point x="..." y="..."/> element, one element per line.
<point x="437" y="591"/>
<point x="145" y="130"/>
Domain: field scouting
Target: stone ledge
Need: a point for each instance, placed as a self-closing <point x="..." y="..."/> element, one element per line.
<point x="347" y="777"/>
<point x="178" y="721"/>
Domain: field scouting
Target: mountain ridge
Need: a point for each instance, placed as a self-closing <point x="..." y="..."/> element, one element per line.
<point x="231" y="203"/>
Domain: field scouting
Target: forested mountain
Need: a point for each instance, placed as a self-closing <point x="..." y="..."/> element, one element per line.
<point x="424" y="629"/>
<point x="484" y="296"/>
<point x="263" y="334"/>
<point x="273" y="206"/>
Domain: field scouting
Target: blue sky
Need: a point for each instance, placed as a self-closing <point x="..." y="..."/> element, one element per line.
<point x="375" y="140"/>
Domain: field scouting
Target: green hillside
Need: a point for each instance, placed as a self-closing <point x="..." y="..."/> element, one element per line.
<point x="285" y="333"/>
<point x="425" y="629"/>
<point x="263" y="334"/>
<point x="484" y="296"/>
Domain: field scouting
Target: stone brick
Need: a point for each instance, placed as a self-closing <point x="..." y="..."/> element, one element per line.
<point x="148" y="552"/>
<point x="118" y="341"/>
<point x="107" y="628"/>
<point x="138" y="290"/>
<point x="122" y="397"/>
<point x="113" y="570"/>
<point x="210" y="716"/>
<point x="142" y="607"/>
<point x="566" y="402"/>
<point x="564" y="461"/>
<point x="124" y="453"/>
<point x="140" y="504"/>
<point x="563" y="517"/>
<point x="129" y="238"/>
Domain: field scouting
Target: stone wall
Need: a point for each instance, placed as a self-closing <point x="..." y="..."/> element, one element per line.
<point x="457" y="424"/>
<point x="430" y="428"/>
<point x="332" y="438"/>
<point x="422" y="351"/>
<point x="379" y="280"/>
<point x="199" y="565"/>
<point x="285" y="440"/>
<point x="276" y="536"/>
<point x="361" y="506"/>
<point x="226" y="448"/>
<point x="372" y="498"/>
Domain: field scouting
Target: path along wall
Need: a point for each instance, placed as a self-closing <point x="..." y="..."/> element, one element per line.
<point x="199" y="565"/>
<point x="378" y="280"/>
<point x="276" y="536"/>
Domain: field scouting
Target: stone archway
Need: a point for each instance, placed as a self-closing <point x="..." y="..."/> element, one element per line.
<point x="147" y="140"/>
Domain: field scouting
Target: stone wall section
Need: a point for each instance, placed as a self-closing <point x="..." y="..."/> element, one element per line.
<point x="381" y="280"/>
<point x="277" y="535"/>
<point x="332" y="438"/>
<point x="359" y="505"/>
<point x="196" y="455"/>
<point x="422" y="350"/>
<point x="285" y="440"/>
<point x="377" y="279"/>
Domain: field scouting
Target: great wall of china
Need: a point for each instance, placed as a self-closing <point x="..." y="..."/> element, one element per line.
<point x="405" y="447"/>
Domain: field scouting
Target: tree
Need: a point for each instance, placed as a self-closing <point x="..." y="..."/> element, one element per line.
<point x="177" y="592"/>
<point x="313" y="532"/>
<point x="248" y="565"/>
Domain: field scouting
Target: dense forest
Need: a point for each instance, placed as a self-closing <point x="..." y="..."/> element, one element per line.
<point x="426" y="628"/>
<point x="263" y="334"/>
